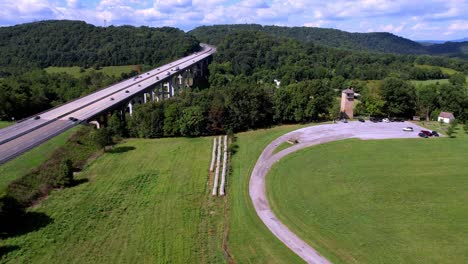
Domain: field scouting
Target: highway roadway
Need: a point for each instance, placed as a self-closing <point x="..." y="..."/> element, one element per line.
<point x="21" y="137"/>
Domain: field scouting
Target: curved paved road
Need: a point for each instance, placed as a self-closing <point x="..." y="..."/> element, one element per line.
<point x="307" y="137"/>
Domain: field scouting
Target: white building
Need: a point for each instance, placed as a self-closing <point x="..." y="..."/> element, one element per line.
<point x="446" y="117"/>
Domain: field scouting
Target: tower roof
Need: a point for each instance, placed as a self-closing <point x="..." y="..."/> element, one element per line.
<point x="347" y="91"/>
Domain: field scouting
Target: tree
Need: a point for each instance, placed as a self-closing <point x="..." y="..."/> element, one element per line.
<point x="321" y="99"/>
<point x="116" y="125"/>
<point x="192" y="121"/>
<point x="458" y="79"/>
<point x="399" y="97"/>
<point x="102" y="137"/>
<point x="64" y="174"/>
<point x="427" y="99"/>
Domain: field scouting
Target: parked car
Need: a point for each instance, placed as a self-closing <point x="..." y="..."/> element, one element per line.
<point x="37" y="117"/>
<point x="423" y="135"/>
<point x="361" y="120"/>
<point x="435" y="134"/>
<point x="427" y="133"/>
<point x="408" y="129"/>
<point x="386" y="120"/>
<point x="344" y="120"/>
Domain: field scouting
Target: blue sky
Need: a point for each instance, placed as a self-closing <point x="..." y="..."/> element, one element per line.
<point x="431" y="19"/>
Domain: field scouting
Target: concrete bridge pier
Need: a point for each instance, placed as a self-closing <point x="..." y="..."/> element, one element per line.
<point x="130" y="107"/>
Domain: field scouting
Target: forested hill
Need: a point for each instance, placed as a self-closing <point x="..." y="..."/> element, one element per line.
<point x="76" y="43"/>
<point x="459" y="49"/>
<point x="375" y="42"/>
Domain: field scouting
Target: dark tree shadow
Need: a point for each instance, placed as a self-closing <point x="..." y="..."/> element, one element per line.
<point x="121" y="149"/>
<point x="7" y="249"/>
<point x="77" y="182"/>
<point x="23" y="224"/>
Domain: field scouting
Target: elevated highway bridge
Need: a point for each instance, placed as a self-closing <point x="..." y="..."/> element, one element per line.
<point x="157" y="84"/>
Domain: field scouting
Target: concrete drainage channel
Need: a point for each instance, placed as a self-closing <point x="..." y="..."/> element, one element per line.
<point x="307" y="137"/>
<point x="218" y="148"/>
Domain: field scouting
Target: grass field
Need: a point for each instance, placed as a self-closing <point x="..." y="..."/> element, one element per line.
<point x="443" y="69"/>
<point x="25" y="163"/>
<point x="441" y="81"/>
<point x="250" y="241"/>
<point x="75" y="71"/>
<point x="392" y="201"/>
<point x="146" y="202"/>
<point x="4" y="124"/>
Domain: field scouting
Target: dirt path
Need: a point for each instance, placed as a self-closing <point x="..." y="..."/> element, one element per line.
<point x="307" y="137"/>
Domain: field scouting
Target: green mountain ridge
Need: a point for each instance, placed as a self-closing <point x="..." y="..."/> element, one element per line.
<point x="76" y="43"/>
<point x="382" y="42"/>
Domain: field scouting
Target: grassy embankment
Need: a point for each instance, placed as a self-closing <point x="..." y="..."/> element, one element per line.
<point x="146" y="201"/>
<point x="250" y="241"/>
<point x="23" y="164"/>
<point x="74" y="71"/>
<point x="390" y="201"/>
<point x="4" y="124"/>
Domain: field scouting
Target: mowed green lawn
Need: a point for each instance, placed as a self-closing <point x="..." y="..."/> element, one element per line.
<point x="75" y="70"/>
<point x="147" y="202"/>
<point x="380" y="201"/>
<point x="250" y="241"/>
<point x="23" y="164"/>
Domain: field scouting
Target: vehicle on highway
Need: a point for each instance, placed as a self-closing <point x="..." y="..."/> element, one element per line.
<point x="361" y="120"/>
<point x="147" y="73"/>
<point x="168" y="73"/>
<point x="408" y="129"/>
<point x="71" y="118"/>
<point x="435" y="134"/>
<point x="427" y="133"/>
<point x="157" y="78"/>
<point x="139" y="85"/>
<point x="37" y="117"/>
<point x="177" y="68"/>
<point x="112" y="98"/>
<point x="127" y="91"/>
<point x="423" y="135"/>
<point x="386" y="120"/>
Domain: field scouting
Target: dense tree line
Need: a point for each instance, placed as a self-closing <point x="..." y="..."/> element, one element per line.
<point x="396" y="97"/>
<point x="75" y="43"/>
<point x="382" y="42"/>
<point x="35" y="91"/>
<point x="238" y="106"/>
<point x="256" y="54"/>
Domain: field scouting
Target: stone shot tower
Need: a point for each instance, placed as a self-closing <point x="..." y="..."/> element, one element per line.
<point x="347" y="103"/>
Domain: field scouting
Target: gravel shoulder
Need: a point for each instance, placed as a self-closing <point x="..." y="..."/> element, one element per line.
<point x="307" y="137"/>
